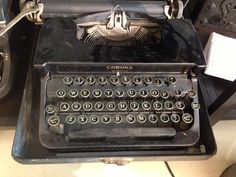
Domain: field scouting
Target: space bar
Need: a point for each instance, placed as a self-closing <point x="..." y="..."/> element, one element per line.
<point x="105" y="133"/>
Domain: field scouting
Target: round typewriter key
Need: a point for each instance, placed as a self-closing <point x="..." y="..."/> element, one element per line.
<point x="134" y="106"/>
<point x="114" y="80"/>
<point x="85" y="93"/>
<point x="130" y="119"/>
<point x="50" y="109"/>
<point x="73" y="93"/>
<point x="91" y="80"/>
<point x="137" y="80"/>
<point x="157" y="105"/>
<point x="93" y="119"/>
<point x="64" y="106"/>
<point x="106" y="119"/>
<point x="82" y="119"/>
<point x="164" y="118"/>
<point x="175" y="118"/>
<point x="158" y="82"/>
<point x="68" y="80"/>
<point x="117" y="119"/>
<point x="155" y="93"/>
<point x="172" y="80"/>
<point x="87" y="106"/>
<point x="146" y="105"/>
<point x="70" y="119"/>
<point x="143" y="93"/>
<point x="61" y="93"/>
<point x="53" y="120"/>
<point x="168" y="105"/>
<point x="75" y="106"/>
<point x="97" y="93"/>
<point x="108" y="93"/>
<point x="178" y="93"/>
<point x="195" y="106"/>
<point x="79" y="80"/>
<point x="119" y="93"/>
<point x="187" y="118"/>
<point x="192" y="94"/>
<point x="122" y="106"/>
<point x="148" y="80"/>
<point x="153" y="118"/>
<point x="141" y="118"/>
<point x="131" y="93"/>
<point x="102" y="80"/>
<point x="180" y="105"/>
<point x="165" y="94"/>
<point x="125" y="80"/>
<point x="99" y="106"/>
<point x="111" y="106"/>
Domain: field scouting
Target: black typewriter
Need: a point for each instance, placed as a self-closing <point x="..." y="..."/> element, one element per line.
<point x="116" y="79"/>
<point x="103" y="96"/>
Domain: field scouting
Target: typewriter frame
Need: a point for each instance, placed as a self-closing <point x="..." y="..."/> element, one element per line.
<point x="28" y="149"/>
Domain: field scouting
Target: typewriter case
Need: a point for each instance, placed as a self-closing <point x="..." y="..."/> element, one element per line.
<point x="59" y="52"/>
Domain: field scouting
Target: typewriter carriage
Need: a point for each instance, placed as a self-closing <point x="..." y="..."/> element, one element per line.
<point x="117" y="27"/>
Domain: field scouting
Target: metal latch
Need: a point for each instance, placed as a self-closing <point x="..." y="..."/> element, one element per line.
<point x="117" y="161"/>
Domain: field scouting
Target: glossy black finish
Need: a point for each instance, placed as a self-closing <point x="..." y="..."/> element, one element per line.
<point x="57" y="43"/>
<point x="58" y="51"/>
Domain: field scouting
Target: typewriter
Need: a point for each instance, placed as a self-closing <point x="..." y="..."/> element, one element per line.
<point x="5" y="57"/>
<point x="119" y="78"/>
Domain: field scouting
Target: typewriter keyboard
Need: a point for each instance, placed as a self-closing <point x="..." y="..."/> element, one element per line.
<point x="106" y="105"/>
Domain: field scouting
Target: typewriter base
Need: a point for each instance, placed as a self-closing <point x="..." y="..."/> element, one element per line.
<point x="28" y="150"/>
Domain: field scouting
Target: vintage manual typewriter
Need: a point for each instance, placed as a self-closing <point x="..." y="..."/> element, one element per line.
<point x="118" y="79"/>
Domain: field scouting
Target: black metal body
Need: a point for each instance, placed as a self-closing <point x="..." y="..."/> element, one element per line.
<point x="59" y="53"/>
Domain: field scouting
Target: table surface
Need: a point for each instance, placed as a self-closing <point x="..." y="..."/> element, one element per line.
<point x="226" y="141"/>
